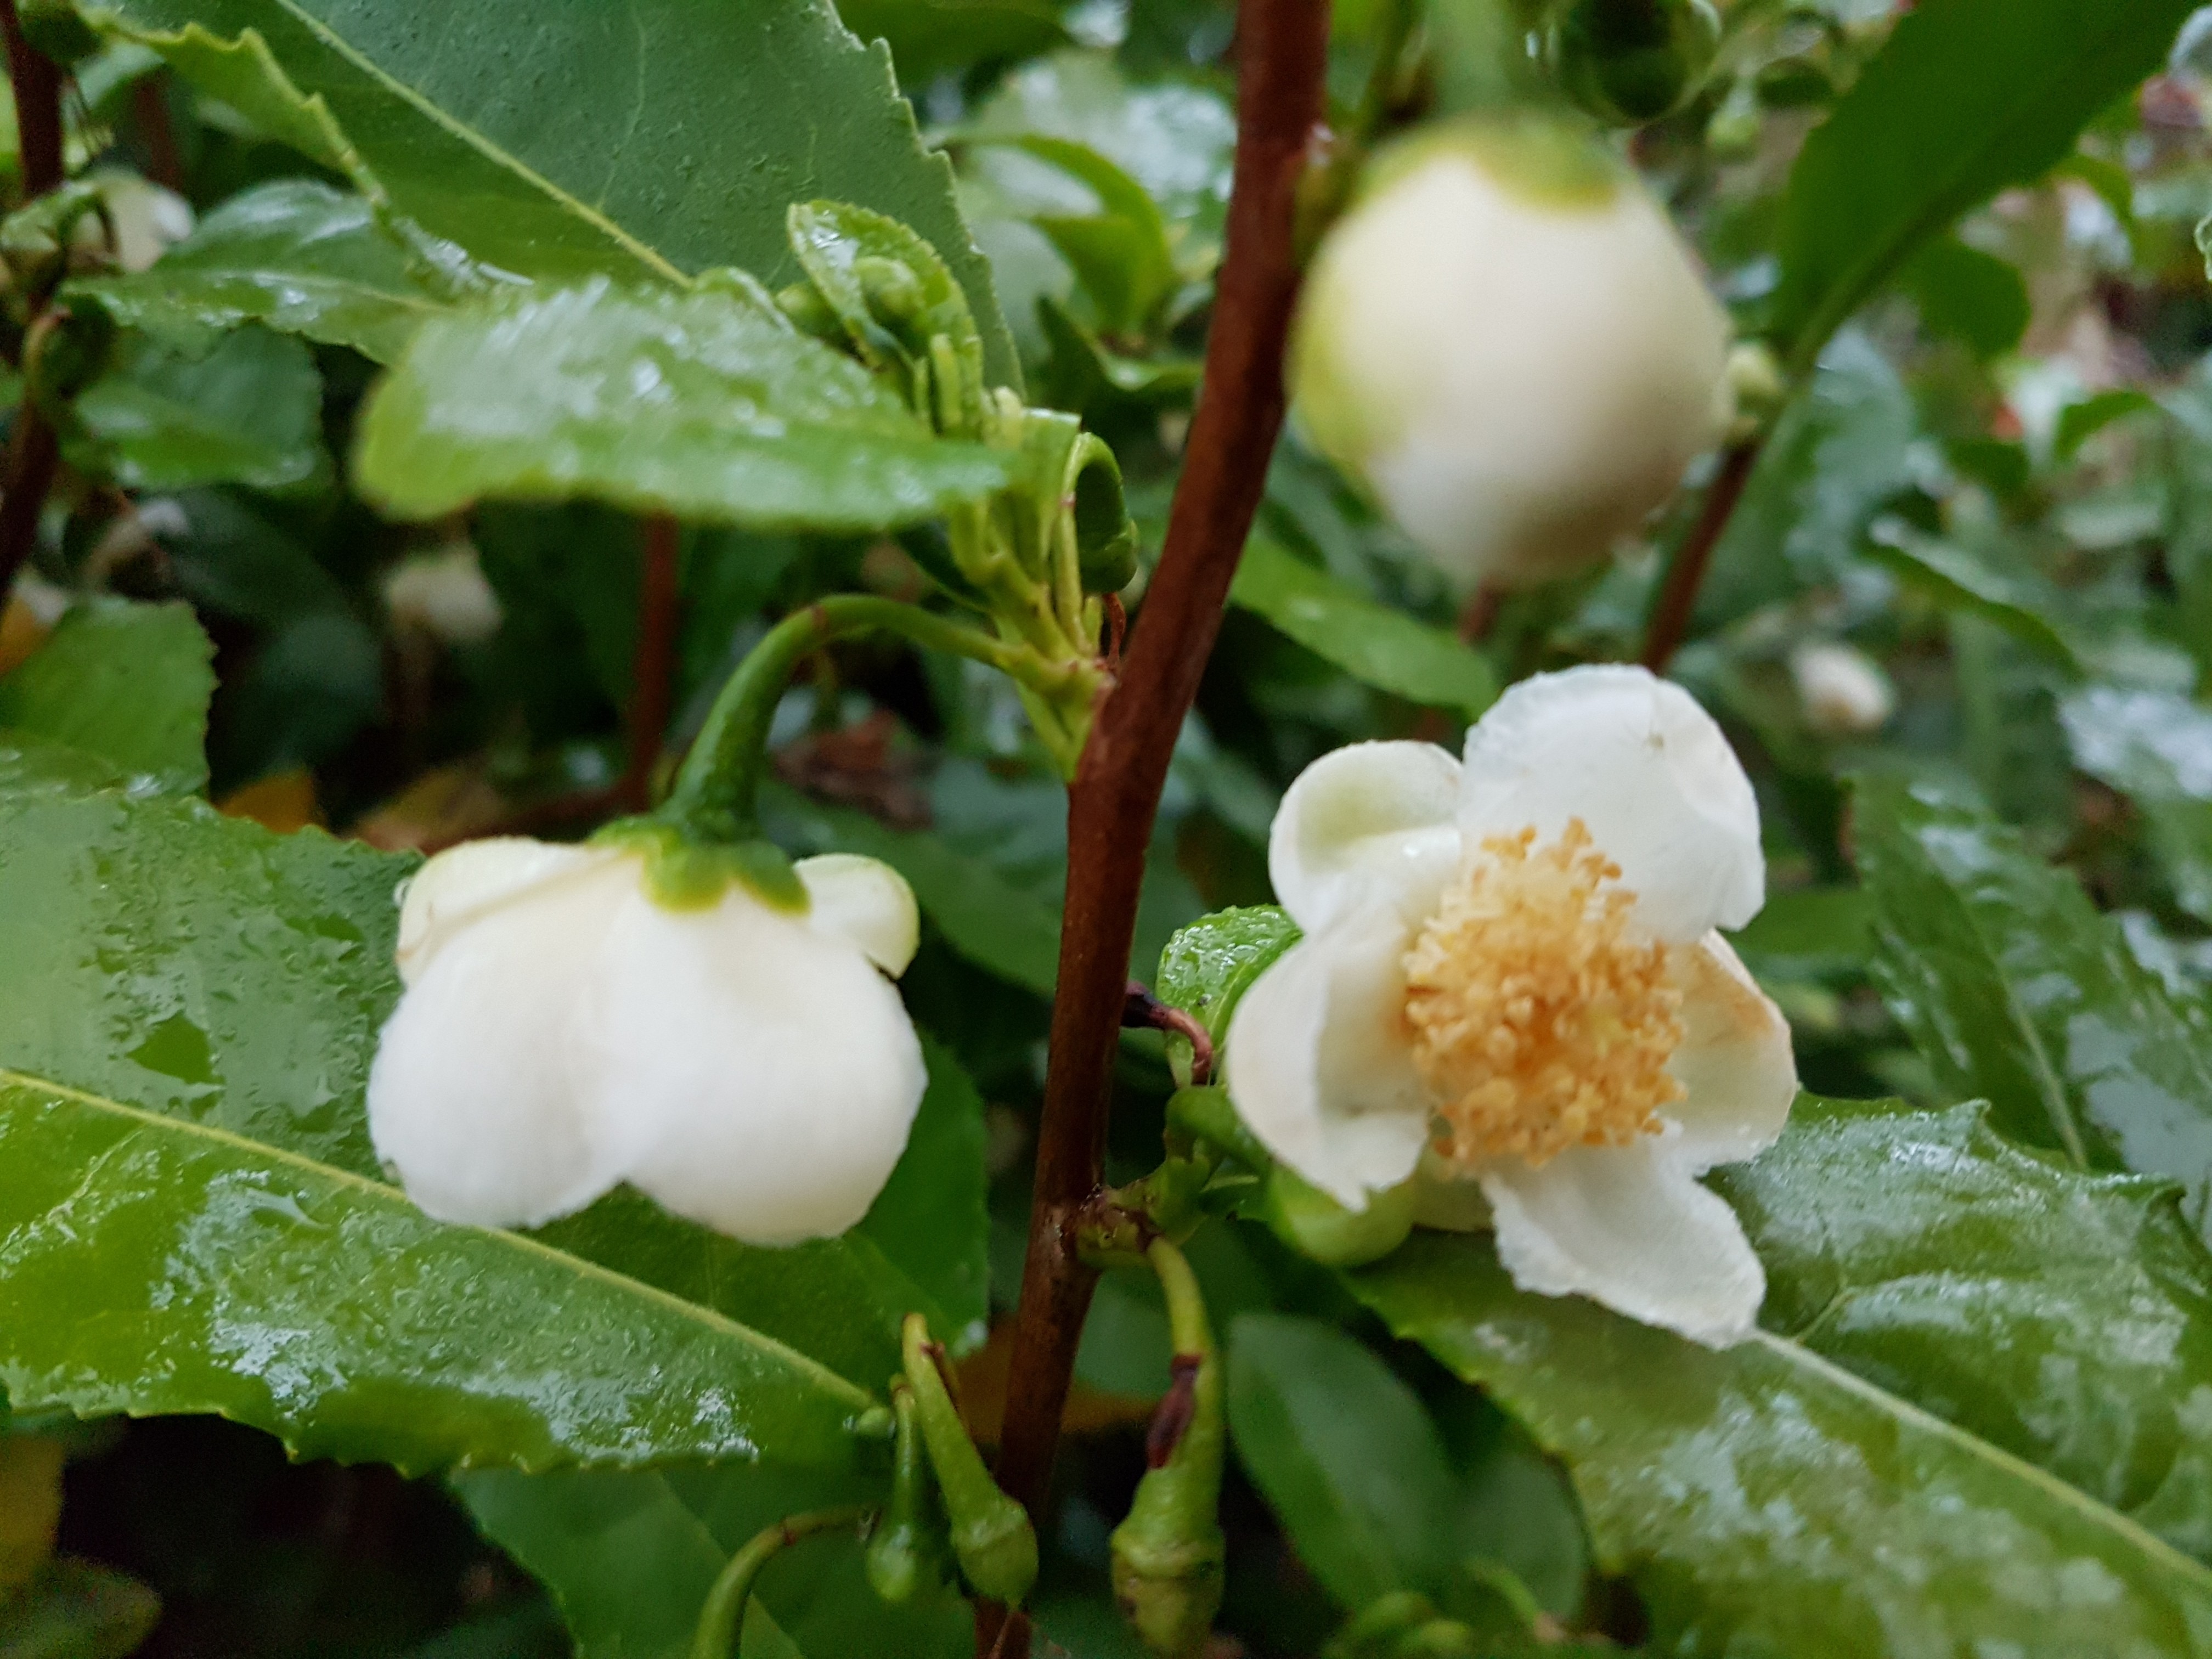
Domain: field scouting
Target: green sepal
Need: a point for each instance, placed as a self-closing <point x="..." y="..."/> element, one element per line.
<point x="992" y="1537"/>
<point x="1169" y="1553"/>
<point x="684" y="871"/>
<point x="1316" y="1226"/>
<point x="909" y="1551"/>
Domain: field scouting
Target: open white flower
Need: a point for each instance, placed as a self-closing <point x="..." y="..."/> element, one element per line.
<point x="1507" y="341"/>
<point x="563" y="1029"/>
<point x="1510" y="961"/>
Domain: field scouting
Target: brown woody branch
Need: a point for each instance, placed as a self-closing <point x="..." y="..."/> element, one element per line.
<point x="33" y="452"/>
<point x="1281" y="58"/>
<point x="1677" y="598"/>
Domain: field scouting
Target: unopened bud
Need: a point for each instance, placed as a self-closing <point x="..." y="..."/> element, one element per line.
<point x="992" y="1537"/>
<point x="1845" y="691"/>
<point x="1507" y="342"/>
<point x="907" y="1551"/>
<point x="1316" y="1226"/>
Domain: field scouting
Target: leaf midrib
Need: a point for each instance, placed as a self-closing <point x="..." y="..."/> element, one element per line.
<point x="1863" y="276"/>
<point x="719" y="1324"/>
<point x="478" y="141"/>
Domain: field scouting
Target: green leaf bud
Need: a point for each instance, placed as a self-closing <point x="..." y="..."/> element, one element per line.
<point x="894" y="293"/>
<point x="1316" y="1226"/>
<point x="1169" y="1553"/>
<point x="1630" y="61"/>
<point x="810" y="314"/>
<point x="908" y="1551"/>
<point x="992" y="1537"/>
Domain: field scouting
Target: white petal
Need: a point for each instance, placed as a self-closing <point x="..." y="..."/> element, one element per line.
<point x="1371" y="823"/>
<point x="473" y="1094"/>
<point x="1648" y="770"/>
<point x="465" y="883"/>
<point x="1318" y="1066"/>
<point x="772" y="1071"/>
<point x="1630" y="1227"/>
<point x="865" y="903"/>
<point x="1736" y="1058"/>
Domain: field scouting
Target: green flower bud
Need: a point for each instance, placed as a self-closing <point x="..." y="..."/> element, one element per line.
<point x="1169" y="1553"/>
<point x="907" y="1551"/>
<point x="1315" y="1226"/>
<point x="992" y="1537"/>
<point x="1508" y="344"/>
<point x="1630" y="61"/>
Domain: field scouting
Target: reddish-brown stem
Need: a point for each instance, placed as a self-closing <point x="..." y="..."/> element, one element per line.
<point x="1479" y="614"/>
<point x="1685" y="572"/>
<point x="37" y="82"/>
<point x="653" y="666"/>
<point x="149" y="108"/>
<point x="33" y="450"/>
<point x="1282" y="52"/>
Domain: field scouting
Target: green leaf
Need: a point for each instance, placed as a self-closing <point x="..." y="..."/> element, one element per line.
<point x="928" y="37"/>
<point x="1209" y="965"/>
<point x="630" y="1555"/>
<point x="1346" y="1455"/>
<point x="129" y="683"/>
<point x="1970" y="295"/>
<point x="2065" y="1318"/>
<point x="294" y="255"/>
<point x="2013" y="988"/>
<point x="1808" y="932"/>
<point x="1963" y="98"/>
<point x="249" y="412"/>
<point x="635" y="142"/>
<point x="2155" y="748"/>
<point x="1373" y="643"/>
<point x="75" y="1610"/>
<point x="236" y="1279"/>
<point x="1120" y="253"/>
<point x="704" y="404"/>
<point x="1766" y="1500"/>
<point x="1958" y="580"/>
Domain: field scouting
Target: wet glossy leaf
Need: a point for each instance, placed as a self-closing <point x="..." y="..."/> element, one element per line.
<point x="1374" y="644"/>
<point x="231" y="1280"/>
<point x="1344" y="1454"/>
<point x="703" y="404"/>
<point x="1120" y="251"/>
<point x="2155" y="748"/>
<point x="637" y="141"/>
<point x="1764" y="1500"/>
<point x="129" y="683"/>
<point x="2063" y="1317"/>
<point x="2013" y="988"/>
<point x="1210" y="964"/>
<point x="295" y="256"/>
<point x="1963" y="98"/>
<point x="249" y="412"/>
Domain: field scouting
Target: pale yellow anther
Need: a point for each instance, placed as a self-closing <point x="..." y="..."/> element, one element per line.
<point x="1537" y="1021"/>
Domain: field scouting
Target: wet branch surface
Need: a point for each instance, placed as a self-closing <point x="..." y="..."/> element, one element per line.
<point x="1116" y="792"/>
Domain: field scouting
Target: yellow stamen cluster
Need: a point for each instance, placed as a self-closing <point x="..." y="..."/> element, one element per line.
<point x="1536" y="1021"/>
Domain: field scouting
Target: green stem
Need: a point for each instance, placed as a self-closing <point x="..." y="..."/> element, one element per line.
<point x="717" y="788"/>
<point x="721" y="1618"/>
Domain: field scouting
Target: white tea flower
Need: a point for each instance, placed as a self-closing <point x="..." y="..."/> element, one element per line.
<point x="446" y="594"/>
<point x="1510" y="963"/>
<point x="1845" y="691"/>
<point x="1507" y="341"/>
<point x="563" y="1029"/>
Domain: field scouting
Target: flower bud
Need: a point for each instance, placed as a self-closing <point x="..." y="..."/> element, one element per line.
<point x="992" y="1537"/>
<point x="446" y="595"/>
<point x="575" y="1016"/>
<point x="1507" y="342"/>
<point x="1316" y="1226"/>
<point x="1845" y="691"/>
<point x="907" y="1552"/>
<point x="1628" y="62"/>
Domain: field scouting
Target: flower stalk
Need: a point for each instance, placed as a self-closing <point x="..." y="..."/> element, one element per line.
<point x="722" y="1619"/>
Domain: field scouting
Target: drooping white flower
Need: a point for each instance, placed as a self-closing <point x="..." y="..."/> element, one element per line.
<point x="563" y="1029"/>
<point x="446" y="594"/>
<point x="1507" y="341"/>
<point x="1510" y="964"/>
<point x="1845" y="691"/>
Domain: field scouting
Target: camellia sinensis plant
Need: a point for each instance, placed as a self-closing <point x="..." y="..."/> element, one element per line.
<point x="1138" y="829"/>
